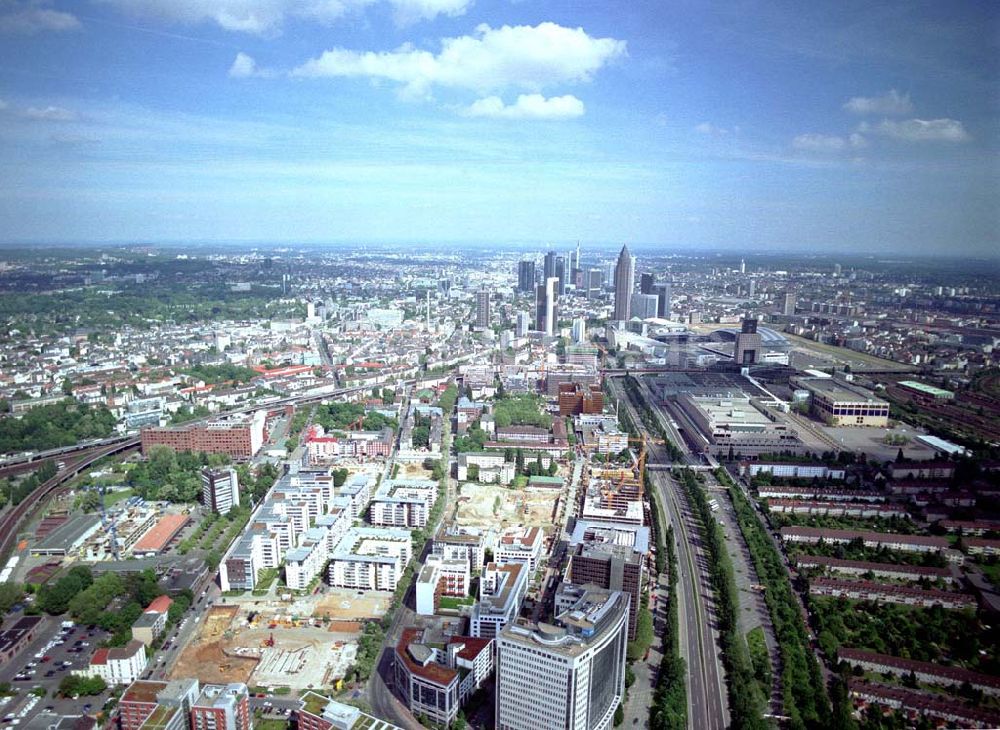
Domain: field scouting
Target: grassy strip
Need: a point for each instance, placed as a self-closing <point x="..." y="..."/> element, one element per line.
<point x="669" y="710"/>
<point x="804" y="692"/>
<point x="760" y="659"/>
<point x="746" y="705"/>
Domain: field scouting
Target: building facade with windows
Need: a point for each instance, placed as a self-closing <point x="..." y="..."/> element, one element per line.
<point x="568" y="674"/>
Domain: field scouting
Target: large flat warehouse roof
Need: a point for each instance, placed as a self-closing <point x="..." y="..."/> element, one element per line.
<point x="839" y="393"/>
<point x="67" y="534"/>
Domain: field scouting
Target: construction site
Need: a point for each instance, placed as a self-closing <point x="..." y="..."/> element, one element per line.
<point x="490" y="505"/>
<point x="273" y="644"/>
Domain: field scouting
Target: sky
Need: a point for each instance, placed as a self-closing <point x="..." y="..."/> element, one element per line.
<point x="752" y="126"/>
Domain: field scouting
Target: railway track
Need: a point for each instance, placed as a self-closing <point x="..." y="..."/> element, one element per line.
<point x="83" y="457"/>
<point x="11" y="522"/>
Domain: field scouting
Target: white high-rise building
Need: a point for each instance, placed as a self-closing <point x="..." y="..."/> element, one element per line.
<point x="579" y="330"/>
<point x="220" y="489"/>
<point x="569" y="674"/>
<point x="551" y="292"/>
<point x="523" y="324"/>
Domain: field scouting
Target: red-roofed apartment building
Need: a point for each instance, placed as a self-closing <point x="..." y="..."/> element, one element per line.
<point x="152" y="622"/>
<point x="117" y="666"/>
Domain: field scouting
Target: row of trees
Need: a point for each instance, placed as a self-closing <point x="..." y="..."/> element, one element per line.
<point x="340" y="416"/>
<point x="110" y="600"/>
<point x="59" y="424"/>
<point x="938" y="635"/>
<point x="669" y="710"/>
<point x="522" y="409"/>
<point x="172" y="476"/>
<point x="223" y="373"/>
<point x="857" y="550"/>
<point x="746" y="704"/>
<point x="804" y="692"/>
<point x="175" y="476"/>
<point x="15" y="492"/>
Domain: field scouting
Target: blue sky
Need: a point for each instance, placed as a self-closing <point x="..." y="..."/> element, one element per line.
<point x="755" y="126"/>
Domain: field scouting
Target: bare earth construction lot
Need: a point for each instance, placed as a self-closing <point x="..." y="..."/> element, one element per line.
<point x="266" y="644"/>
<point x="530" y="507"/>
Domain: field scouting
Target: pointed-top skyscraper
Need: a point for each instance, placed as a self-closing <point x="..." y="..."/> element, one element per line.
<point x="624" y="284"/>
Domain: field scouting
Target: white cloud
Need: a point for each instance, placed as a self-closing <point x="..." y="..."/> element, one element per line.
<point x="50" y="114"/>
<point x="268" y="17"/>
<point x="29" y="18"/>
<point x="811" y="142"/>
<point x="244" y="67"/>
<point x="712" y="130"/>
<point x="527" y="106"/>
<point x="411" y="11"/>
<point x="891" y="103"/>
<point x="525" y="57"/>
<point x="919" y="130"/>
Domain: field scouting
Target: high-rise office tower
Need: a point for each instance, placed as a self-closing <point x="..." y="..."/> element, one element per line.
<point x="837" y="269"/>
<point x="788" y="303"/>
<point x="608" y="273"/>
<point x="540" y="307"/>
<point x="743" y="266"/>
<point x="483" y="308"/>
<point x="549" y="266"/>
<point x="579" y="330"/>
<point x="624" y="284"/>
<point x="612" y="557"/>
<point x="551" y="310"/>
<point x="663" y="294"/>
<point x="567" y="674"/>
<point x="751" y="287"/>
<point x="748" y="343"/>
<point x="646" y="283"/>
<point x="220" y="489"/>
<point x="525" y="276"/>
<point x="643" y="306"/>
<point x="561" y="274"/>
<point x="595" y="278"/>
<point x="523" y="324"/>
<point x="576" y="262"/>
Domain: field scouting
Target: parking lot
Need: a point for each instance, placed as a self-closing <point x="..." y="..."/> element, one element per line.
<point x="42" y="666"/>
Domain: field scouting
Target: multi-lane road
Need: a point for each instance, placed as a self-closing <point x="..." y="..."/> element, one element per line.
<point x="696" y="610"/>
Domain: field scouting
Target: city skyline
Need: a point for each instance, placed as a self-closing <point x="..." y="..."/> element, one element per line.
<point x="772" y="128"/>
<point x="267" y="486"/>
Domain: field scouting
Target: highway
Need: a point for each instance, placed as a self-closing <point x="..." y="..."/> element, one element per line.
<point x="704" y="679"/>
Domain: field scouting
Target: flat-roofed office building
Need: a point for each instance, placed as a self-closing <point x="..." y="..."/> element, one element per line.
<point x="565" y="675"/>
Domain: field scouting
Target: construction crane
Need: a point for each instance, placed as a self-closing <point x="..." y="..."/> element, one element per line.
<point x="108" y="524"/>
